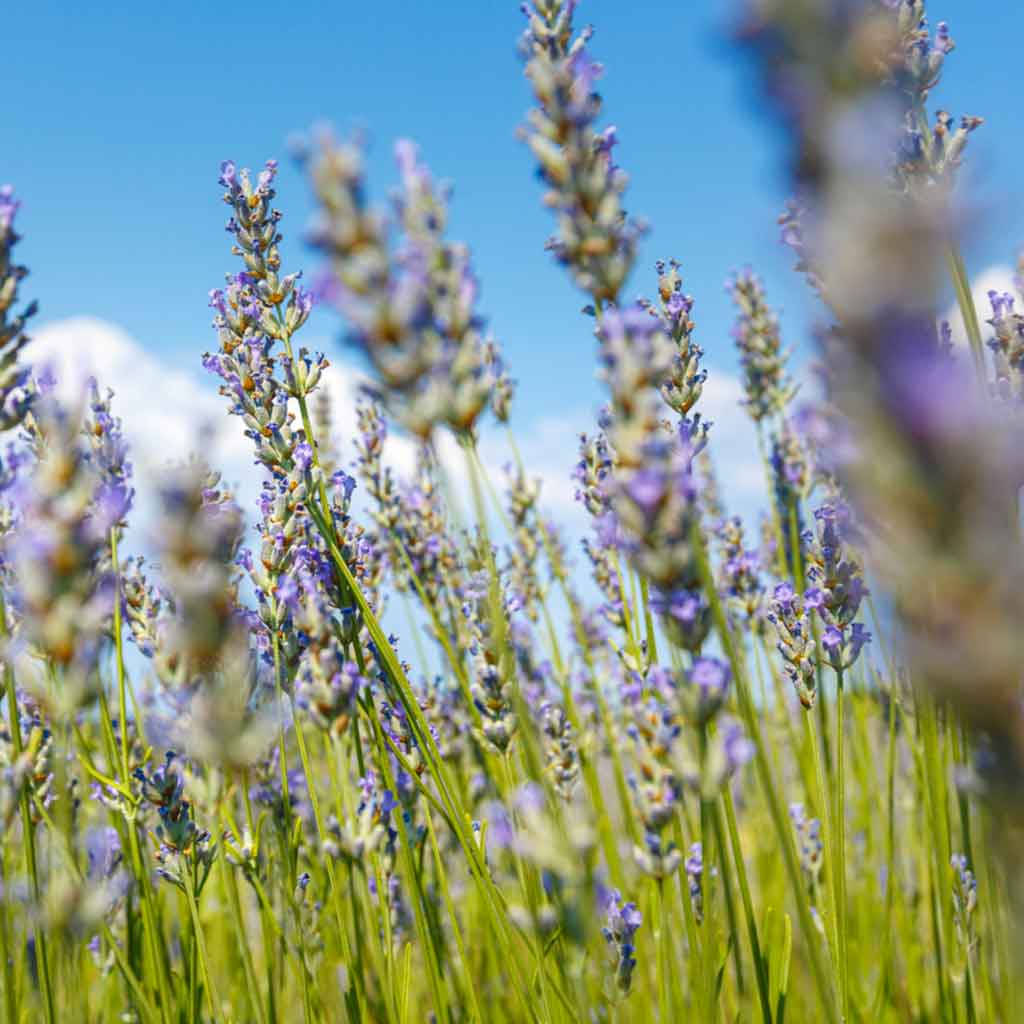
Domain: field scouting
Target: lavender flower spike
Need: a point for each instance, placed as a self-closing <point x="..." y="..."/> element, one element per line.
<point x="762" y="358"/>
<point x="596" y="240"/>
<point x="63" y="593"/>
<point x="621" y="925"/>
<point x="411" y="308"/>
<point x="15" y="387"/>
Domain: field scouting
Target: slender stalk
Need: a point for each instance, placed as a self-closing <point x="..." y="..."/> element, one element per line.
<point x="664" y="957"/>
<point x="965" y="300"/>
<point x="27" y="826"/>
<point x="839" y="857"/>
<point x="10" y="995"/>
<point x="823" y="804"/>
<point x="122" y="687"/>
<point x="200" y="942"/>
<point x="760" y="965"/>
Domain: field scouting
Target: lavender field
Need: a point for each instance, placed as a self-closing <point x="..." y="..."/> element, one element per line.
<point x="384" y="741"/>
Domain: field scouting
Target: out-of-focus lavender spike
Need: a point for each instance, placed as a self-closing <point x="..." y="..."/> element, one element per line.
<point x="596" y="239"/>
<point x="16" y="391"/>
<point x="766" y="384"/>
<point x="410" y="308"/>
<point x="63" y="592"/>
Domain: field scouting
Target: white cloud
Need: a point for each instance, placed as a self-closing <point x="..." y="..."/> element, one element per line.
<point x="169" y="412"/>
<point x="998" y="277"/>
<point x="165" y="409"/>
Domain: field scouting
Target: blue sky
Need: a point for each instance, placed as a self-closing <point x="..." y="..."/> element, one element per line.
<point x="116" y="117"/>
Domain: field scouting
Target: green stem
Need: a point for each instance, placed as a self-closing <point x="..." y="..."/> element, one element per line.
<point x="839" y="857"/>
<point x="965" y="300"/>
<point x="760" y="964"/>
<point x="200" y="941"/>
<point x="10" y="996"/>
<point x="122" y="687"/>
<point x="252" y="993"/>
<point x="822" y="804"/>
<point x="664" y="958"/>
<point x="27" y="826"/>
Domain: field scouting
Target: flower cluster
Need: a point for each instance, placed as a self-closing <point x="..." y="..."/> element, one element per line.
<point x="57" y="550"/>
<point x="560" y="750"/>
<point x="596" y="240"/>
<point x="762" y="358"/>
<point x="411" y="310"/>
<point x="683" y="383"/>
<point x="542" y="751"/>
<point x="327" y="687"/>
<point x="694" y="867"/>
<point x="657" y="786"/>
<point x="791" y="469"/>
<point x="792" y="620"/>
<point x="838" y="585"/>
<point x="739" y="574"/>
<point x="492" y="695"/>
<point x="181" y="846"/>
<point x="593" y="478"/>
<point x="198" y="532"/>
<point x="810" y="847"/>
<point x="636" y="355"/>
<point x="108" y="458"/>
<point x="622" y="922"/>
<point x="369" y="830"/>
<point x="258" y="310"/>
<point x="965" y="900"/>
<point x="926" y="155"/>
<point x="1007" y="341"/>
<point x="651" y="490"/>
<point x="524" y="551"/>
<point x="411" y="520"/>
<point x="16" y="390"/>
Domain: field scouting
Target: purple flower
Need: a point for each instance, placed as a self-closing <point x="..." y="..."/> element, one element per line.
<point x="112" y="504"/>
<point x="738" y="748"/>
<point x="832" y="638"/>
<point x="16" y="393"/>
<point x="597" y="241"/>
<point x="647" y="489"/>
<point x="345" y="483"/>
<point x="711" y="677"/>
<point x="500" y="831"/>
<point x="756" y="332"/>
<point x="859" y="637"/>
<point x="103" y="848"/>
<point x="9" y="207"/>
<point x="621" y="924"/>
<point x="228" y="175"/>
<point x="303" y="456"/>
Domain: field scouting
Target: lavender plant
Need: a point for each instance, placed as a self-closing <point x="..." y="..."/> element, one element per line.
<point x="232" y="787"/>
